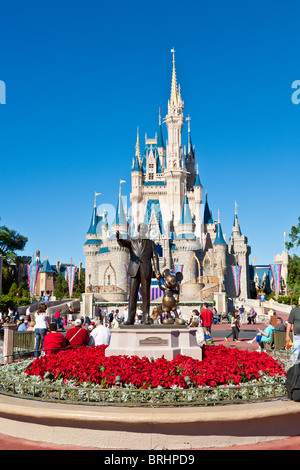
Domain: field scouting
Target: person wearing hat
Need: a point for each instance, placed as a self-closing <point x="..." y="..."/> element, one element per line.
<point x="22" y="324"/>
<point x="101" y="334"/>
<point x="78" y="336"/>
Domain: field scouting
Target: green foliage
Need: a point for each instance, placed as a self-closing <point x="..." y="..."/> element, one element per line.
<point x="5" y="302"/>
<point x="10" y="242"/>
<point x="293" y="272"/>
<point x="62" y="290"/>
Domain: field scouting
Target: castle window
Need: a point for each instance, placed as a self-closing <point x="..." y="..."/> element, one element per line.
<point x="151" y="176"/>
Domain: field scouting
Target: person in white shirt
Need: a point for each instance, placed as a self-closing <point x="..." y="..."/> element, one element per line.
<point x="125" y="315"/>
<point x="100" y="334"/>
<point x="40" y="329"/>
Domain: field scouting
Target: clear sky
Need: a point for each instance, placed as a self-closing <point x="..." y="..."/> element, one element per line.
<point x="80" y="77"/>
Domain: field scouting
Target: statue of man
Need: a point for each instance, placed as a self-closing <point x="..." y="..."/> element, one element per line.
<point x="142" y="252"/>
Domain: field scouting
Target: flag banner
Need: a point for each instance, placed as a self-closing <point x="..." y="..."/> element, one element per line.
<point x="32" y="272"/>
<point x="178" y="268"/>
<point x="71" y="271"/>
<point x="236" y="272"/>
<point x="276" y="275"/>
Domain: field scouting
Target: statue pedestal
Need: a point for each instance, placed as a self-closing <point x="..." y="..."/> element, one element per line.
<point x="154" y="341"/>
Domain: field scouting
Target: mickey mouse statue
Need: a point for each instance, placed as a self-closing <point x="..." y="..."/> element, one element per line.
<point x="171" y="295"/>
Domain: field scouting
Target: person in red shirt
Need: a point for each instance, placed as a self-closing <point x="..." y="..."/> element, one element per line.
<point x="78" y="336"/>
<point x="53" y="341"/>
<point x="206" y="317"/>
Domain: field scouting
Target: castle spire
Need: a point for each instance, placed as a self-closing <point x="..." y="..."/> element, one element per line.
<point x="219" y="240"/>
<point x="189" y="146"/>
<point x="236" y="222"/>
<point x="160" y="139"/>
<point x="137" y="147"/>
<point x="120" y="218"/>
<point x="173" y="99"/>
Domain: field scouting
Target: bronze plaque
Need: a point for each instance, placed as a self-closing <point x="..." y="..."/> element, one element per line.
<point x="153" y="341"/>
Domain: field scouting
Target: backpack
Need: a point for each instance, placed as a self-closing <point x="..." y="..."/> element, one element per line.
<point x="293" y="382"/>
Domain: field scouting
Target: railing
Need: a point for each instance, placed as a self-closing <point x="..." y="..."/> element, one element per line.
<point x="24" y="341"/>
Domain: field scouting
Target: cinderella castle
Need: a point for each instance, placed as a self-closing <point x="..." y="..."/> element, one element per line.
<point x="167" y="195"/>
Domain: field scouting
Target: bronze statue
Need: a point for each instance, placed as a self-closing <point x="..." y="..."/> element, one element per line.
<point x="171" y="295"/>
<point x="142" y="252"/>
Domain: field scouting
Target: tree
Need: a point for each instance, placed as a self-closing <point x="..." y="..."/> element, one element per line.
<point x="293" y="278"/>
<point x="294" y="237"/>
<point x="10" y="242"/>
<point x="62" y="289"/>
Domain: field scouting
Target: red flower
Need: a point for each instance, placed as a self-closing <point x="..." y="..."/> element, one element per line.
<point x="220" y="366"/>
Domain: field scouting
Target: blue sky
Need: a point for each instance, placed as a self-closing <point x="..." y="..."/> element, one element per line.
<point x="81" y="76"/>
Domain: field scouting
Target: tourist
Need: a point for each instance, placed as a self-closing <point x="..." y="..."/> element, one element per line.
<point x="280" y="326"/>
<point x="195" y="316"/>
<point x="54" y="341"/>
<point x="115" y="321"/>
<point x="242" y="315"/>
<point x="22" y="324"/>
<point x="98" y="313"/>
<point x="78" y="336"/>
<point x="206" y="317"/>
<point x="125" y="315"/>
<point x="40" y="329"/>
<point x="264" y="336"/>
<point x="156" y="316"/>
<point x="235" y="327"/>
<point x="101" y="334"/>
<point x="110" y="318"/>
<point x="57" y="318"/>
<point x="294" y="324"/>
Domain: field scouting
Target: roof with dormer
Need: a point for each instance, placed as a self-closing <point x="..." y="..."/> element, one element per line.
<point x="46" y="268"/>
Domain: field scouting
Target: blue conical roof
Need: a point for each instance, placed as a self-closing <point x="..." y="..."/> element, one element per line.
<point x="219" y="240"/>
<point x="93" y="224"/>
<point x="207" y="214"/>
<point x="120" y="218"/>
<point x="136" y="164"/>
<point x="160" y="139"/>
<point x="197" y="180"/>
<point x="186" y="217"/>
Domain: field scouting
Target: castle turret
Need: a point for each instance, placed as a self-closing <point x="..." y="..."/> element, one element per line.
<point x="240" y="250"/>
<point x="198" y="201"/>
<point x="120" y="222"/>
<point x="174" y="173"/>
<point x="136" y="185"/>
<point x="190" y="159"/>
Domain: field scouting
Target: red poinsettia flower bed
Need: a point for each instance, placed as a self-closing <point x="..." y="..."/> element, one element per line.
<point x="220" y="366"/>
